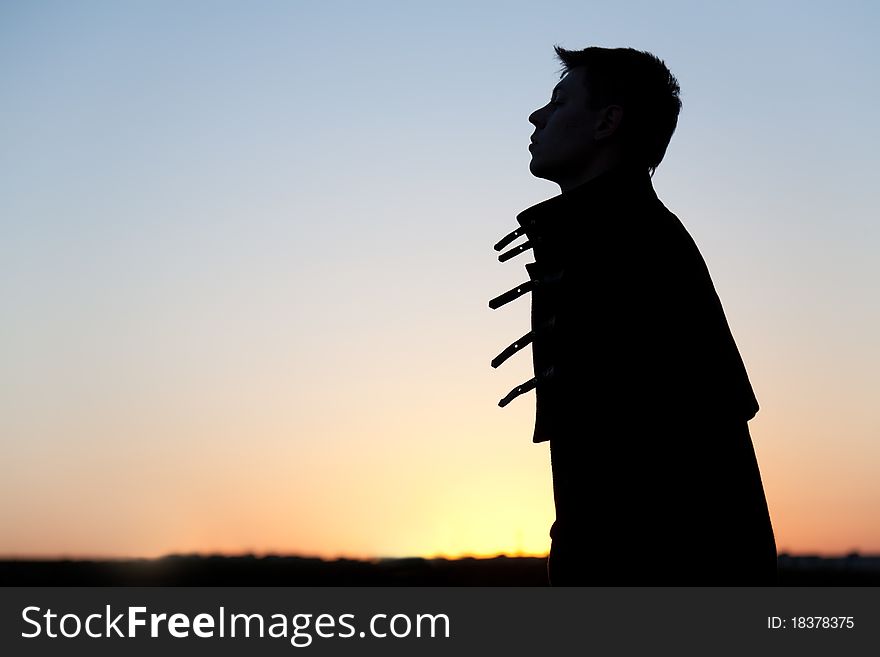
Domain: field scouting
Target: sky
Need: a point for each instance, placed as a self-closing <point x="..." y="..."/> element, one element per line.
<point x="247" y="255"/>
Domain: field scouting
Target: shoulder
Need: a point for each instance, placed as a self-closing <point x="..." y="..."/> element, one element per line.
<point x="673" y="256"/>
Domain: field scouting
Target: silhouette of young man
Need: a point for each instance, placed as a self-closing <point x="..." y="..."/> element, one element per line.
<point x="640" y="388"/>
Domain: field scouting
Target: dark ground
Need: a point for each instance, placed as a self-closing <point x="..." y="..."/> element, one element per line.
<point x="248" y="570"/>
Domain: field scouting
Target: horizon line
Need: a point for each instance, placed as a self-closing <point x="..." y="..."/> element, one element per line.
<point x="367" y="559"/>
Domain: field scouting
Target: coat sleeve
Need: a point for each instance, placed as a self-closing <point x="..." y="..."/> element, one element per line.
<point x="643" y="338"/>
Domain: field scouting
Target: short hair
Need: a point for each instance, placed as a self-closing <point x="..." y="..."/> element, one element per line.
<point x="642" y="84"/>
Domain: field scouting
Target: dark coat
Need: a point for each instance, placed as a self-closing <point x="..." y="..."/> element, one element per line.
<point x="640" y="390"/>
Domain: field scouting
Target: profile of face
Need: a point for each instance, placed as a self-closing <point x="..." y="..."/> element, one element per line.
<point x="569" y="144"/>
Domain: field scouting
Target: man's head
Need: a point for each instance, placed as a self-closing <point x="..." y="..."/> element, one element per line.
<point x="611" y="106"/>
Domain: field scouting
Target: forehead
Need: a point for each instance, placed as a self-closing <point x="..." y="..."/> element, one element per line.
<point x="572" y="83"/>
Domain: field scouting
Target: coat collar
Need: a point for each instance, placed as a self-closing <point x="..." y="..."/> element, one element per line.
<point x="619" y="186"/>
<point x="600" y="206"/>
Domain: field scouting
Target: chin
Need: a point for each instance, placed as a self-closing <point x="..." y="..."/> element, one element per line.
<point x="535" y="167"/>
<point x="540" y="171"/>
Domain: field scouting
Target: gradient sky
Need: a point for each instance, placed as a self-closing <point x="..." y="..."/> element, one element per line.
<point x="247" y="251"/>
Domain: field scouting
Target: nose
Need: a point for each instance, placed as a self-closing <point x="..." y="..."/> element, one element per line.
<point x="536" y="117"/>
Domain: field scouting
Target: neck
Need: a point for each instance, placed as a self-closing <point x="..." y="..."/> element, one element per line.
<point x="594" y="169"/>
